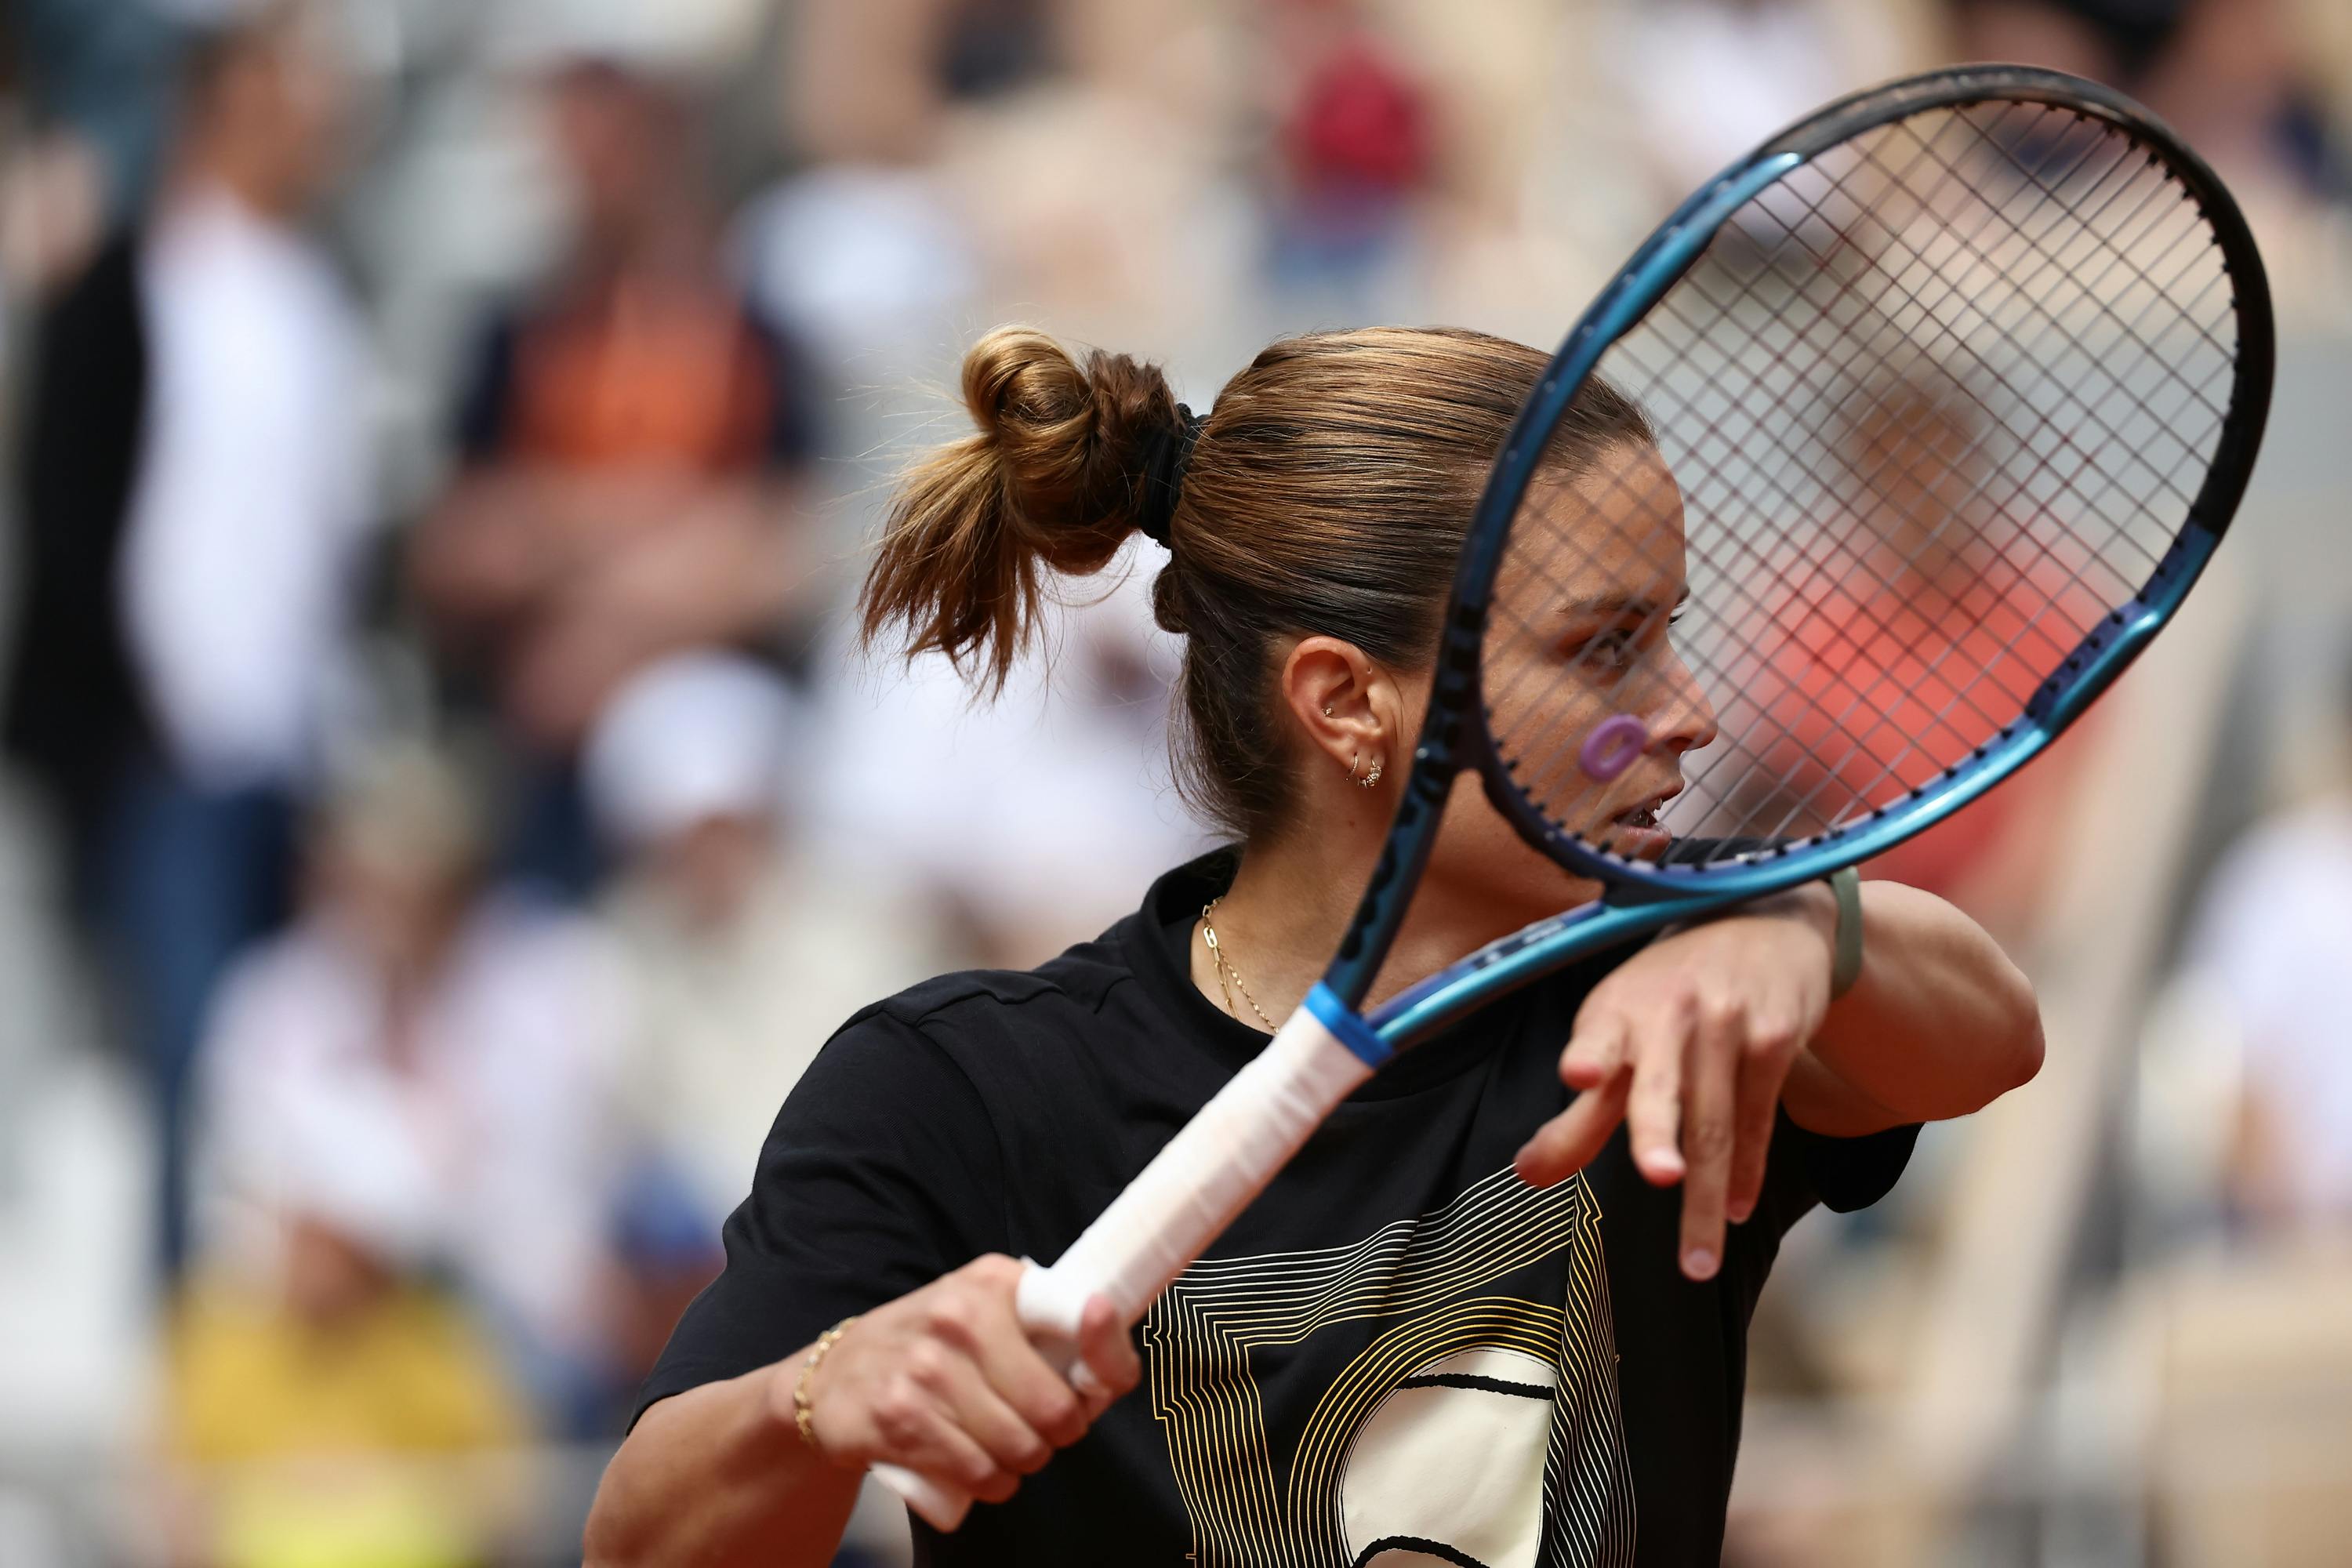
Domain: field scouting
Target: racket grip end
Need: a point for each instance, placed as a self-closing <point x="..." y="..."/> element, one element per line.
<point x="1051" y="1303"/>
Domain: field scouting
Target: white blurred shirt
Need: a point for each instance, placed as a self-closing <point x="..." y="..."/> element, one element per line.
<point x="2273" y="935"/>
<point x="491" y="1153"/>
<point x="1048" y="809"/>
<point x="724" y="1023"/>
<point x="252" y="492"/>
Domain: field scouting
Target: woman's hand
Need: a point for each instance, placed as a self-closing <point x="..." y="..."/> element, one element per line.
<point x="943" y="1381"/>
<point x="1688" y="1043"/>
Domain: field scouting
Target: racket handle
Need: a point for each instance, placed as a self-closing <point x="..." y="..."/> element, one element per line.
<point x="1180" y="1202"/>
<point x="1206" y="1176"/>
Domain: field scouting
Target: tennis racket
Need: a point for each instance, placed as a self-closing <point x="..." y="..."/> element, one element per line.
<point x="1956" y="385"/>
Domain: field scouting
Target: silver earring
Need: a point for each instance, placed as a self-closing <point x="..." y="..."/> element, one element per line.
<point x="1369" y="779"/>
<point x="1326" y="710"/>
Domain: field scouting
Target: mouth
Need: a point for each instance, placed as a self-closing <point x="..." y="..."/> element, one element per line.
<point x="1636" y="832"/>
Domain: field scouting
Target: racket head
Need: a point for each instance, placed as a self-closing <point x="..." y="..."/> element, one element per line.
<point x="1954" y="386"/>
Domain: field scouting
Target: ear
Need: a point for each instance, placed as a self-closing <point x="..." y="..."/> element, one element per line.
<point x="1347" y="706"/>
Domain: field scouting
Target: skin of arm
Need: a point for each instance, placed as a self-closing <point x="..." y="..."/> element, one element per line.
<point x="1938" y="1024"/>
<point x="942" y="1381"/>
<point x="720" y="1475"/>
<point x="1693" y="1042"/>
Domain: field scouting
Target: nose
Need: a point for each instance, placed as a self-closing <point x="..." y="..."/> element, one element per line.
<point x="1683" y="719"/>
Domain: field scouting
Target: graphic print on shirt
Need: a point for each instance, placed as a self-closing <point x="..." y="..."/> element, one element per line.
<point x="1469" y="1409"/>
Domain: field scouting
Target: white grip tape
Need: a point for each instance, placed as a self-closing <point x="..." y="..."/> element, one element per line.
<point x="1181" y="1203"/>
<point x="1210" y="1171"/>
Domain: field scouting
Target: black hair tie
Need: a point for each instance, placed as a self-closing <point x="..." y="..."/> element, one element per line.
<point x="1163" y="475"/>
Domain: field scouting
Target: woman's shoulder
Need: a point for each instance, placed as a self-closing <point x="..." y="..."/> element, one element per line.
<point x="991" y="1005"/>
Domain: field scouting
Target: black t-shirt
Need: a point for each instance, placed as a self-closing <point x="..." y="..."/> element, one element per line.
<point x="1399" y="1348"/>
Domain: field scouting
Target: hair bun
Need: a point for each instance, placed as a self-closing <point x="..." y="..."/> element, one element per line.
<point x="1054" y="478"/>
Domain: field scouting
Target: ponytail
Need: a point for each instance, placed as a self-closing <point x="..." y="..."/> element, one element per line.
<point x="1057" y="477"/>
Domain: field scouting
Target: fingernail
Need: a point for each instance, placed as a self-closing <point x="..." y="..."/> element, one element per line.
<point x="1698" y="1263"/>
<point x="1740" y="1213"/>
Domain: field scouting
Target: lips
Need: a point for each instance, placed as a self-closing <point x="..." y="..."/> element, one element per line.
<point x="1635" y="832"/>
<point x="1645" y="813"/>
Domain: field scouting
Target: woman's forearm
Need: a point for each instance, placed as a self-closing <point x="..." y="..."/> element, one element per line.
<point x="1939" y="1023"/>
<point x="717" y="1476"/>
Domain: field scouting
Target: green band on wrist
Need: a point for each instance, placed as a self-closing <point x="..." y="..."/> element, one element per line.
<point x="1845" y="967"/>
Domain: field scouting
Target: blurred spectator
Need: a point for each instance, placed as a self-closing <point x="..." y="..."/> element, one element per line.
<point x="744" y="946"/>
<point x="1035" y="819"/>
<point x="196" y="492"/>
<point x="1707" y="79"/>
<point x="447" y="1051"/>
<point x="2226" y="74"/>
<point x="102" y="75"/>
<point x="634" y="443"/>
<point x="1946" y="610"/>
<point x="2268" y="945"/>
<point x="1354" y="148"/>
<point x="295" y="1408"/>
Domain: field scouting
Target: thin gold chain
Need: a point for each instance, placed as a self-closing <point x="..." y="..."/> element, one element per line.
<point x="1226" y="970"/>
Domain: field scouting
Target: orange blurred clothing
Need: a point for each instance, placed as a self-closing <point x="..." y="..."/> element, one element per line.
<point x="1882" y="682"/>
<point x="667" y="381"/>
<point x="658" y="377"/>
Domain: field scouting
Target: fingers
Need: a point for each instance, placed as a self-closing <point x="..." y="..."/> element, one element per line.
<point x="1595" y="1052"/>
<point x="1653" y="1106"/>
<point x="1593" y="1064"/>
<point x="955" y="1382"/>
<point x="1015" y="1374"/>
<point x="1568" y="1142"/>
<point x="915" y="1422"/>
<point x="1756" y="1099"/>
<point x="945" y="1382"/>
<point x="1105" y="1352"/>
<point x="1710" y="1102"/>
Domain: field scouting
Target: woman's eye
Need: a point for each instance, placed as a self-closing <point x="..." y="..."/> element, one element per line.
<point x="1613" y="649"/>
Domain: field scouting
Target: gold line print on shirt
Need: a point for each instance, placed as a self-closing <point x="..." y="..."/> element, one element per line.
<point x="1476" y="1428"/>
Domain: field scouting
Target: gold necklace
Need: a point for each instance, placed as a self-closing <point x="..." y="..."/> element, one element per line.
<point x="1226" y="970"/>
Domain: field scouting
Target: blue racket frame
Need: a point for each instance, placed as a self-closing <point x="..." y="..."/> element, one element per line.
<point x="1640" y="896"/>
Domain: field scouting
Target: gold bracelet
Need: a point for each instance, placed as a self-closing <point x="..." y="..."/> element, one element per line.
<point x="802" y="1416"/>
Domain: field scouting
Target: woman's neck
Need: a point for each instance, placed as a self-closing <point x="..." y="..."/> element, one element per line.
<point x="1290" y="902"/>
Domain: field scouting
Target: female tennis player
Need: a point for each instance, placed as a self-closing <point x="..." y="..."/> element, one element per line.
<point x="1495" y="1311"/>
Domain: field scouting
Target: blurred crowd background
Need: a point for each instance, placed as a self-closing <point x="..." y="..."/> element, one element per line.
<point x="443" y="806"/>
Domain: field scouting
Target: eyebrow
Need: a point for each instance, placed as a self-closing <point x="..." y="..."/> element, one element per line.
<point x="1613" y="605"/>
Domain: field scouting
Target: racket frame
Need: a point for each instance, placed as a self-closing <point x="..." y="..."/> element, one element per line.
<point x="1455" y="737"/>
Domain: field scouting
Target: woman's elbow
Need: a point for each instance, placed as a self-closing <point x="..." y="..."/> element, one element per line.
<point x="2019" y="1058"/>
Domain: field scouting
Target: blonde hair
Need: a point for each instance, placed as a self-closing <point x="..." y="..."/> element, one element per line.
<point x="1328" y="491"/>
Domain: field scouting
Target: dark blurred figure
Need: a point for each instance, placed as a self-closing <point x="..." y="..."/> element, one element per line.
<point x="633" y="442"/>
<point x="2224" y="73"/>
<point x="101" y="75"/>
<point x="196" y="495"/>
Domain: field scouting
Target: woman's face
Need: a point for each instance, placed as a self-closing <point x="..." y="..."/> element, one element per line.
<point x="1579" y="634"/>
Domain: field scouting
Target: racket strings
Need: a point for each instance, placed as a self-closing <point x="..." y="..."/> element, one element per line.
<point x="2090" y="293"/>
<point x="1882" y="499"/>
<point x="1936" y="404"/>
